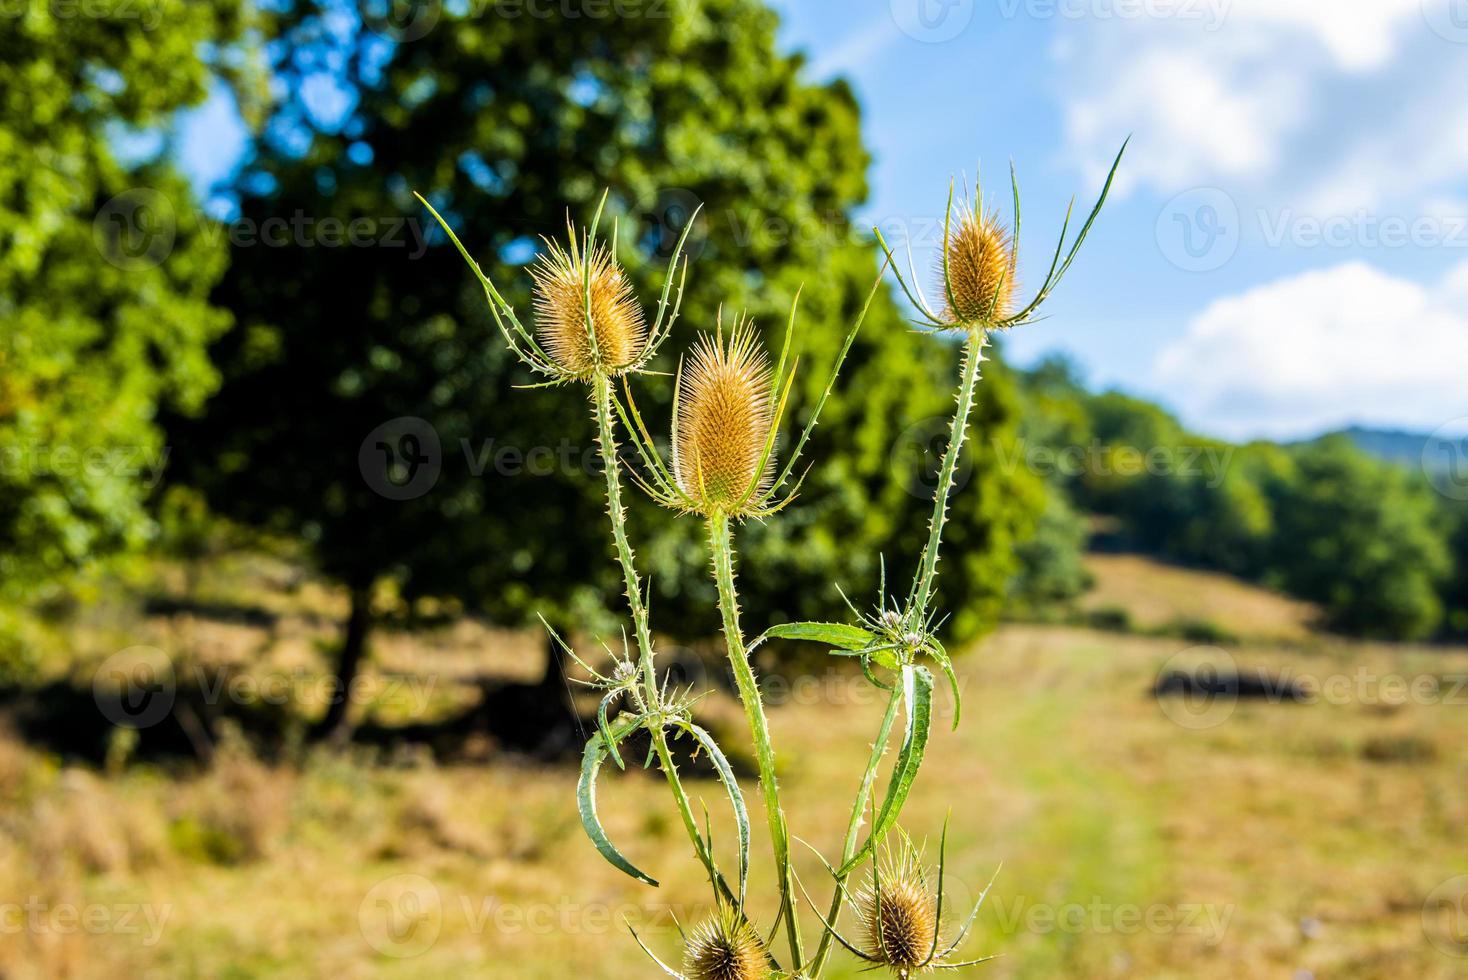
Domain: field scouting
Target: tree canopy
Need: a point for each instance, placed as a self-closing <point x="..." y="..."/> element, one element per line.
<point x="104" y="275"/>
<point x="506" y="124"/>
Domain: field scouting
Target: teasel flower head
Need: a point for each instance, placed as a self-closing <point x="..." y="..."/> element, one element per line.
<point x="588" y="322"/>
<point x="724" y="421"/>
<point x="980" y="260"/>
<point x="900" y="909"/>
<point x="978" y="265"/>
<point x="899" y="916"/>
<point x="586" y="315"/>
<point x="725" y="947"/>
<point x="727" y="408"/>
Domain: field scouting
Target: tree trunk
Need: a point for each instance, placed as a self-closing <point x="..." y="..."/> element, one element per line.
<point x="553" y="684"/>
<point x="336" y="725"/>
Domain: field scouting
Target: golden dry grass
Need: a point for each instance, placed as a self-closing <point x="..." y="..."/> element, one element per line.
<point x="1159" y="596"/>
<point x="1285" y="840"/>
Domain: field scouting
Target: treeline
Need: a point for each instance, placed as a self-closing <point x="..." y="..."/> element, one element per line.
<point x="1371" y="542"/>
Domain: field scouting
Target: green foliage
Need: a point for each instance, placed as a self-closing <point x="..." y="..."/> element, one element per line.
<point x="1357" y="536"/>
<point x="104" y="274"/>
<point x="1323" y="521"/>
<point x="1455" y="591"/>
<point x="504" y="124"/>
<point x="1051" y="569"/>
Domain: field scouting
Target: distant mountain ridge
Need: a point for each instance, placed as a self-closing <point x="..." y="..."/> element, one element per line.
<point x="1400" y="446"/>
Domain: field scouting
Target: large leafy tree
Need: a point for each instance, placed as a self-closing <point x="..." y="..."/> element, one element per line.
<point x="506" y="123"/>
<point x="1361" y="537"/>
<point x="104" y="276"/>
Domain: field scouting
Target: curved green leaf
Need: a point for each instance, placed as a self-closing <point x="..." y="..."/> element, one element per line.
<point x="606" y="729"/>
<point x="591" y="761"/>
<point x="838" y="635"/>
<point x="917" y="695"/>
<point x="946" y="663"/>
<point x="736" y="798"/>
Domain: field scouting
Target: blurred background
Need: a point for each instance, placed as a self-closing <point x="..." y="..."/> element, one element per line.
<point x="275" y="523"/>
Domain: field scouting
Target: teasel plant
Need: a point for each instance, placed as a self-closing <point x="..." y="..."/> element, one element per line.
<point x="727" y="412"/>
<point x="729" y="404"/>
<point x="589" y="330"/>
<point x="977" y="270"/>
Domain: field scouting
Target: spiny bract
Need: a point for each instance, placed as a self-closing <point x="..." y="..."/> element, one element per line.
<point x="901" y="926"/>
<point x="560" y="310"/>
<point x="981" y="270"/>
<point x="725" y="411"/>
<point x="725" y="948"/>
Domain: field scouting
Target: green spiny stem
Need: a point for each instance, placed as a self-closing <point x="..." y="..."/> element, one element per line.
<point x="853" y="826"/>
<point x="606" y="436"/>
<point x="922" y="586"/>
<point x="722" y="550"/>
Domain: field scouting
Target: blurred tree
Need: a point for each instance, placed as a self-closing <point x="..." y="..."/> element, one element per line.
<point x="1455" y="591"/>
<point x="505" y="120"/>
<point x="1359" y="537"/>
<point x="104" y="272"/>
<point x="1052" y="571"/>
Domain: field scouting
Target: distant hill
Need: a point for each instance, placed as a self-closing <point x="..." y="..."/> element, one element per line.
<point x="1397" y="446"/>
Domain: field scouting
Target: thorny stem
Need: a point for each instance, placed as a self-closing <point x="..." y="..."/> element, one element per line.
<point x="722" y="550"/>
<point x="853" y="826"/>
<point x="601" y="401"/>
<point x="922" y="586"/>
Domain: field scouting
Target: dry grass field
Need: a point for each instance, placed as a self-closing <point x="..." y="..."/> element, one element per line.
<point x="1139" y="837"/>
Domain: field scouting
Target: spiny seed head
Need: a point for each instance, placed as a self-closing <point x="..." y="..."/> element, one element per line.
<point x="900" y="919"/>
<point x="725" y="948"/>
<point x="981" y="266"/>
<point x="891" y="619"/>
<point x="560" y="310"/>
<point x="725" y="411"/>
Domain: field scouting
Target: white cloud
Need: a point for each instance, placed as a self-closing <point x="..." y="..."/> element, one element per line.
<point x="1358" y="34"/>
<point x="1324" y="349"/>
<point x="1344" y="104"/>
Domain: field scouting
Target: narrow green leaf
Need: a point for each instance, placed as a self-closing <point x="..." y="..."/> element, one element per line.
<point x="838" y="635"/>
<point x="591" y="763"/>
<point x="606" y="729"/>
<point x="917" y="694"/>
<point x="736" y="799"/>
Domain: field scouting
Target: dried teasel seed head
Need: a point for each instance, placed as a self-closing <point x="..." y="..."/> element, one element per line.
<point x="619" y="327"/>
<point x="981" y="270"/>
<point x="725" y="411"/>
<point x="901" y="925"/>
<point x="725" y="948"/>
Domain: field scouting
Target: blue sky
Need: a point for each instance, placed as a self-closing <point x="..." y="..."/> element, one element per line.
<point x="1286" y="250"/>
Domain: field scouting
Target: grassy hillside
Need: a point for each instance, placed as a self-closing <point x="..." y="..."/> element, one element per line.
<point x="1277" y="839"/>
<point x="1159" y="596"/>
